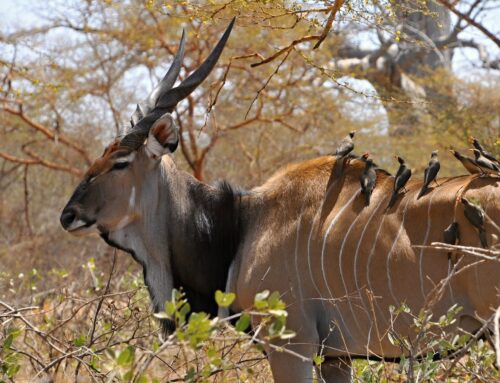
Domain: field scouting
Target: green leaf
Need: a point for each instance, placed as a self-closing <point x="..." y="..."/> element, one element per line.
<point x="198" y="329"/>
<point x="142" y="379"/>
<point x="275" y="301"/>
<point x="170" y="308"/>
<point x="183" y="311"/>
<point x="261" y="296"/>
<point x="13" y="369"/>
<point x="224" y="299"/>
<point x="176" y="295"/>
<point x="243" y="323"/>
<point x="260" y="305"/>
<point x="217" y="362"/>
<point x="8" y="342"/>
<point x="126" y="357"/>
<point x="277" y="326"/>
<point x="94" y="363"/>
<point x="278" y="313"/>
<point x="155" y="345"/>
<point x="127" y="377"/>
<point x="80" y="341"/>
<point x="190" y="375"/>
<point x="318" y="359"/>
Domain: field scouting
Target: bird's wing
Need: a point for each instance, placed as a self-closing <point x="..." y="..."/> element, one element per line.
<point x="433" y="171"/>
<point x="426" y="172"/>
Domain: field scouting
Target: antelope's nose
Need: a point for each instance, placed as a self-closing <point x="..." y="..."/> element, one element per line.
<point x="67" y="217"/>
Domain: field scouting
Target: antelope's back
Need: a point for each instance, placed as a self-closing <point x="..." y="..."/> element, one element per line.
<point x="339" y="261"/>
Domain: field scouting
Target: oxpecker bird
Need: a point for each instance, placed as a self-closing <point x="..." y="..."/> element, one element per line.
<point x="483" y="151"/>
<point x="451" y="236"/>
<point x="368" y="179"/>
<point x="402" y="177"/>
<point x="345" y="146"/>
<point x="468" y="163"/>
<point x="486" y="166"/>
<point x="430" y="173"/>
<point x="475" y="215"/>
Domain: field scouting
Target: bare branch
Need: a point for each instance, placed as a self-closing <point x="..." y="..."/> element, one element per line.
<point x="335" y="8"/>
<point x="286" y="49"/>
<point x="46" y="131"/>
<point x="471" y="21"/>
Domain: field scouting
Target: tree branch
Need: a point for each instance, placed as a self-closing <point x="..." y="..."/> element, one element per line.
<point x="286" y="49"/>
<point x="335" y="8"/>
<point x="46" y="131"/>
<point x="470" y="20"/>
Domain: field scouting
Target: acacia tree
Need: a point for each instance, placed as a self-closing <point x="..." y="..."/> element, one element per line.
<point x="69" y="84"/>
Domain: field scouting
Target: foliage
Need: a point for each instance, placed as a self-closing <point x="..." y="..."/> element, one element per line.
<point x="66" y="334"/>
<point x="70" y="81"/>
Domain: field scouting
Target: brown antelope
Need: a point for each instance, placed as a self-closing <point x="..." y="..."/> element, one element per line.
<point x="306" y="233"/>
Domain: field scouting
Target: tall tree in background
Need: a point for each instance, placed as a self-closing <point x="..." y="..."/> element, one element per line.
<point x="280" y="93"/>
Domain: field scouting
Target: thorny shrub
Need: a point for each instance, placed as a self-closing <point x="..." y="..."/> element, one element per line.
<point x="113" y="337"/>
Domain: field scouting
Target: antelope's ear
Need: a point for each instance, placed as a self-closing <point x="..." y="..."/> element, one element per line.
<point x="163" y="137"/>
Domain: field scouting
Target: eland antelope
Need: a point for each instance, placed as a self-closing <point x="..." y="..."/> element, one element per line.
<point x="306" y="232"/>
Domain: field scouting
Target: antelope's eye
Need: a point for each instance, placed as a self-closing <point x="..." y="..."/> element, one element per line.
<point x="120" y="165"/>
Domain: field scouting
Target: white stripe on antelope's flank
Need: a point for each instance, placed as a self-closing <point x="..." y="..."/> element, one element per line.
<point x="426" y="237"/>
<point x="323" y="251"/>
<point x="299" y="282"/>
<point x="342" y="274"/>
<point x="372" y="250"/>
<point x="389" y="256"/>
<point x="309" y="239"/>
<point x="360" y="239"/>
<point x="450" y="268"/>
<point x="368" y="280"/>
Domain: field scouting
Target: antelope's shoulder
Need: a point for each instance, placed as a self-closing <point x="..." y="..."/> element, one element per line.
<point x="292" y="178"/>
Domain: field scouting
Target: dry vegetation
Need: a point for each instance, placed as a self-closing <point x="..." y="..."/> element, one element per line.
<point x="71" y="309"/>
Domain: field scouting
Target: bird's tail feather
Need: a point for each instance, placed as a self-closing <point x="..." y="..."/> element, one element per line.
<point x="367" y="198"/>
<point x="482" y="238"/>
<point x="422" y="191"/>
<point x="393" y="200"/>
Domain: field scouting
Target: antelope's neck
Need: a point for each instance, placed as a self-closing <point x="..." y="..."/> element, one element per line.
<point x="187" y="236"/>
<point x="204" y="239"/>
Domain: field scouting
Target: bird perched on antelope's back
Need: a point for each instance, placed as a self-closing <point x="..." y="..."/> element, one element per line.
<point x="345" y="146"/>
<point x="475" y="215"/>
<point x="430" y="173"/>
<point x="483" y="151"/>
<point x="468" y="163"/>
<point x="402" y="177"/>
<point x="486" y="166"/>
<point x="451" y="236"/>
<point x="368" y="178"/>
